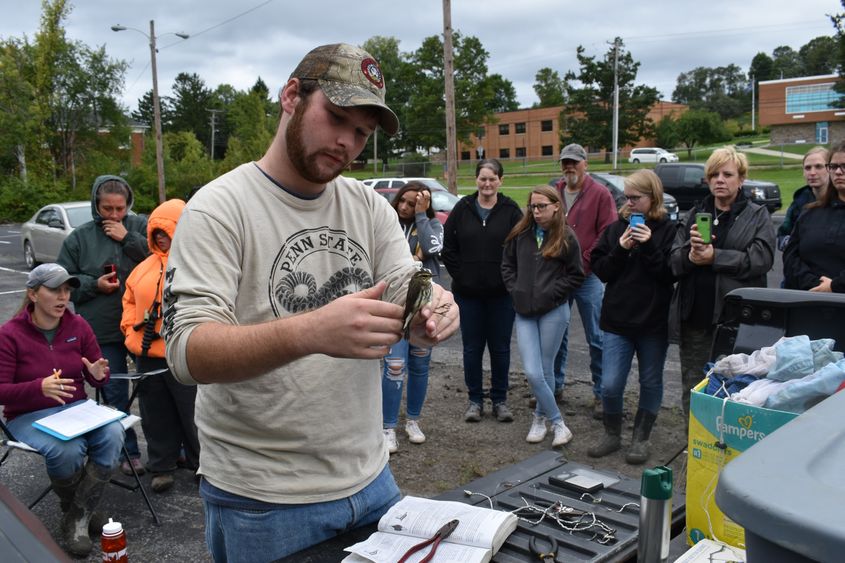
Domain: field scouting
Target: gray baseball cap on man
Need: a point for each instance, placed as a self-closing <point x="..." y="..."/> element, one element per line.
<point x="573" y="151"/>
<point x="50" y="275"/>
<point x="349" y="77"/>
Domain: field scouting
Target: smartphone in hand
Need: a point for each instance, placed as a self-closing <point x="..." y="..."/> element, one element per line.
<point x="636" y="219"/>
<point x="111" y="271"/>
<point x="703" y="222"/>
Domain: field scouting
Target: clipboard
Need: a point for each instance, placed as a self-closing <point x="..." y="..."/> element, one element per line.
<point x="77" y="420"/>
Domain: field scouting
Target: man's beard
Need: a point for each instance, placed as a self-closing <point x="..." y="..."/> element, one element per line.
<point x="306" y="164"/>
<point x="571" y="178"/>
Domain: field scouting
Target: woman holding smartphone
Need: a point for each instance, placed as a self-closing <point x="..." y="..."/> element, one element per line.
<point x="541" y="267"/>
<point x="739" y="254"/>
<point x="632" y="259"/>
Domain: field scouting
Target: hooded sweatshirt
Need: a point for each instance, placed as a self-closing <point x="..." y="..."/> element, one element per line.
<point x="84" y="253"/>
<point x="145" y="285"/>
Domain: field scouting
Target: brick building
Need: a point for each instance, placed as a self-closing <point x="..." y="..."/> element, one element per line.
<point x="535" y="133"/>
<point x="802" y="110"/>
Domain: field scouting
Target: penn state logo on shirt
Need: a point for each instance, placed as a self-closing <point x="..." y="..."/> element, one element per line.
<point x="316" y="266"/>
<point x="372" y="71"/>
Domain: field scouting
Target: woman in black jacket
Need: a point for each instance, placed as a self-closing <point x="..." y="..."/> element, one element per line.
<point x="814" y="258"/>
<point x="541" y="267"/>
<point x="634" y="263"/>
<point x="472" y="252"/>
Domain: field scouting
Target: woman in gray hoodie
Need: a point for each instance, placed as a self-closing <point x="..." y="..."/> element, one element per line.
<point x="424" y="234"/>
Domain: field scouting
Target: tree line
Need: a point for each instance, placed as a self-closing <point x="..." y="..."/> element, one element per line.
<point x="58" y="97"/>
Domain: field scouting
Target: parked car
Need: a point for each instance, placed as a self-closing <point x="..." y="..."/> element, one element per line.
<point x="399" y="182"/>
<point x="654" y="155"/>
<point x="45" y="232"/>
<point x="616" y="186"/>
<point x="442" y="201"/>
<point x="687" y="183"/>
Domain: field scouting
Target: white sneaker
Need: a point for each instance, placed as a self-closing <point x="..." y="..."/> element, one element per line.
<point x="562" y="434"/>
<point x="538" y="430"/>
<point x="390" y="438"/>
<point x="415" y="435"/>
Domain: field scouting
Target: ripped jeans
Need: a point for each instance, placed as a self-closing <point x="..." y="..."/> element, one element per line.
<point x="404" y="359"/>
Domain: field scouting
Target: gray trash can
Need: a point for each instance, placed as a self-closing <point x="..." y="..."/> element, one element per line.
<point x="788" y="490"/>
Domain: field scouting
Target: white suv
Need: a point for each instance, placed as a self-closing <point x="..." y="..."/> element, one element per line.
<point x="654" y="155"/>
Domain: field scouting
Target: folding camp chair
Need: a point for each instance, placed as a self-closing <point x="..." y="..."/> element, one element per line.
<point x="127" y="422"/>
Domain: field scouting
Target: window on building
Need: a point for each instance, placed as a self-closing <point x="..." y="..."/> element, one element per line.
<point x="504" y="129"/>
<point x="520" y="128"/>
<point x="546" y="125"/>
<point x="822" y="132"/>
<point x="465" y="155"/>
<point x="520" y="152"/>
<point x="547" y="150"/>
<point x="814" y="97"/>
<point x="504" y="153"/>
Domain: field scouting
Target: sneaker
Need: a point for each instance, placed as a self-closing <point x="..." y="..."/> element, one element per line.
<point x="538" y="430"/>
<point x="415" y="435"/>
<point x="473" y="413"/>
<point x="562" y="434"/>
<point x="136" y="463"/>
<point x="390" y="438"/>
<point x="161" y="482"/>
<point x="502" y="412"/>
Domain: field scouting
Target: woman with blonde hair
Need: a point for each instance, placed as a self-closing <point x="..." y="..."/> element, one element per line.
<point x="739" y="253"/>
<point x="541" y="267"/>
<point x="632" y="258"/>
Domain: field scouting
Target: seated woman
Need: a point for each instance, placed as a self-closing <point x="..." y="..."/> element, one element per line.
<point x="46" y="355"/>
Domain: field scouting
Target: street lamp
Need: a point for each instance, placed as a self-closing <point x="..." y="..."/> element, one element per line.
<point x="162" y="196"/>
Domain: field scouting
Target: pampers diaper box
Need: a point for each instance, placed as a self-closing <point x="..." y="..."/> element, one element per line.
<point x="719" y="431"/>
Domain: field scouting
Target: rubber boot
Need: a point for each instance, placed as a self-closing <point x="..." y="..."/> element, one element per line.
<point x="643" y="423"/>
<point x="85" y="502"/>
<point x="65" y="489"/>
<point x="612" y="440"/>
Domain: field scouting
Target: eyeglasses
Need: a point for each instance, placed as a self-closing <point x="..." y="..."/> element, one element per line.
<point x="835" y="167"/>
<point x="634" y="198"/>
<point x="538" y="206"/>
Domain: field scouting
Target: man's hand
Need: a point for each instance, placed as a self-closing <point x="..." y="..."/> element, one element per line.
<point x="437" y="321"/>
<point x="108" y="283"/>
<point x="824" y="285"/>
<point x="114" y="230"/>
<point x="358" y="325"/>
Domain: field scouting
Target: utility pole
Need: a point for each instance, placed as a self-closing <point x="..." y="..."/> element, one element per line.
<point x="615" y="101"/>
<point x="213" y="113"/>
<point x="449" y="79"/>
<point x="753" y="104"/>
<point x="162" y="194"/>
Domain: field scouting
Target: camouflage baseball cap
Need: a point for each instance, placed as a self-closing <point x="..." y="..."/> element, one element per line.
<point x="349" y="77"/>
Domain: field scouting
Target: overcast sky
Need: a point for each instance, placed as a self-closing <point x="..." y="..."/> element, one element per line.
<point x="235" y="42"/>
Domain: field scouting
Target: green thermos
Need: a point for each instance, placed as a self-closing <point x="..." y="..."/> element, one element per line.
<point x="655" y="515"/>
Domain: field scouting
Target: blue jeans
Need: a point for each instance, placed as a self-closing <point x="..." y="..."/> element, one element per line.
<point x="486" y="322"/>
<point x="116" y="393"/>
<point x="539" y="340"/>
<point x="618" y="353"/>
<point x="588" y="297"/>
<point x="65" y="457"/>
<point x="403" y="359"/>
<point x="258" y="531"/>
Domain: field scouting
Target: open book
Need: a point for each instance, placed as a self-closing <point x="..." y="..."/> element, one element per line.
<point x="479" y="535"/>
<point x="77" y="420"/>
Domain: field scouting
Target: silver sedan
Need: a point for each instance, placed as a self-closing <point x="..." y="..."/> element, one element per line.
<point x="44" y="234"/>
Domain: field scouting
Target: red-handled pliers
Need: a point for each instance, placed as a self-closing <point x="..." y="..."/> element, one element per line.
<point x="435" y="540"/>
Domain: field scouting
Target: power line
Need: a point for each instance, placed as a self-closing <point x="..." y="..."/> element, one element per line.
<point x="224" y="22"/>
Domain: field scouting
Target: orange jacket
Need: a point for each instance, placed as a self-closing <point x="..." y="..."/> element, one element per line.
<point x="146" y="282"/>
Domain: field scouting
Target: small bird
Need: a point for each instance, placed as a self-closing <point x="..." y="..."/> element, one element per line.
<point x="419" y="295"/>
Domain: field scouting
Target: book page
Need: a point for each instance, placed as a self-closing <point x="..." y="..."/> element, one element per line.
<point x="77" y="420"/>
<point x="421" y="518"/>
<point x="389" y="548"/>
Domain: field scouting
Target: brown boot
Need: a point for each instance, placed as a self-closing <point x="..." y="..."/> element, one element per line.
<point x="612" y="439"/>
<point x="85" y="502"/>
<point x="643" y="423"/>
